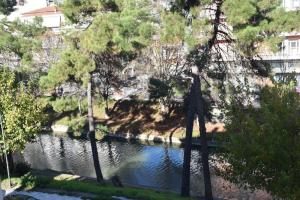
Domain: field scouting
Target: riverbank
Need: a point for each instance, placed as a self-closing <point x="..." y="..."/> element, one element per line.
<point x="65" y="184"/>
<point x="141" y="165"/>
<point x="143" y="121"/>
<point x="157" y="139"/>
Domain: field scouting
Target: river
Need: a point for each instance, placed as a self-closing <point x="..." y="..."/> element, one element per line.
<point x="138" y="164"/>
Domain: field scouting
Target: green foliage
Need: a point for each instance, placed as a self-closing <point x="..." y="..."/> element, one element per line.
<point x="125" y="30"/>
<point x="72" y="66"/>
<point x="176" y="29"/>
<point x="28" y="181"/>
<point x="262" y="150"/>
<point x="65" y="104"/>
<point x="77" y="11"/>
<point x="173" y="28"/>
<point x="20" y="110"/>
<point x="116" y="28"/>
<point x="180" y="86"/>
<point x="77" y="124"/>
<point x="259" y="22"/>
<point x="199" y="32"/>
<point x="20" y="41"/>
<point x="103" y="129"/>
<point x="7" y="6"/>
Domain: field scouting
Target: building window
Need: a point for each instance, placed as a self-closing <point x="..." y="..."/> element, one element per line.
<point x="294" y="47"/>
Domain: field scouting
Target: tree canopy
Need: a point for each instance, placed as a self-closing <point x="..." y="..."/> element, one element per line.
<point x="20" y="111"/>
<point x="20" y="42"/>
<point x="111" y="31"/>
<point x="7" y="6"/>
<point x="226" y="36"/>
<point x="255" y="22"/>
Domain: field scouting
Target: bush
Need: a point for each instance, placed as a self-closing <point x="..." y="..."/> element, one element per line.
<point x="101" y="131"/>
<point x="77" y="124"/>
<point x="65" y="104"/>
<point x="28" y="181"/>
<point x="263" y="151"/>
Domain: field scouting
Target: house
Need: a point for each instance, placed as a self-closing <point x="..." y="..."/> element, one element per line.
<point x="283" y="62"/>
<point x="287" y="59"/>
<point x="27" y="10"/>
<point x="51" y="15"/>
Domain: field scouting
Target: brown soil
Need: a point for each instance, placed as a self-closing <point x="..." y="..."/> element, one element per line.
<point x="146" y="117"/>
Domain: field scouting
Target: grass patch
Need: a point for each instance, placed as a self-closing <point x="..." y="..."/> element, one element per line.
<point x="102" y="191"/>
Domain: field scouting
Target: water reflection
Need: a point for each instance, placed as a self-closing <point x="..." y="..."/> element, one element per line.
<point x="156" y="166"/>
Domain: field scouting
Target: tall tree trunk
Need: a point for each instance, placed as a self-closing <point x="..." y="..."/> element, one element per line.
<point x="204" y="58"/>
<point x="196" y="106"/>
<point x="92" y="134"/>
<point x="202" y="129"/>
<point x="185" y="181"/>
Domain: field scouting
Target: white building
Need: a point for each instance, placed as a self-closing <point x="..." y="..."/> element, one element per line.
<point x="291" y="4"/>
<point x="27" y="10"/>
<point x="287" y="60"/>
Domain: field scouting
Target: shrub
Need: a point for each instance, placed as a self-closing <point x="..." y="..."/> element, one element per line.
<point x="28" y="181"/>
<point x="65" y="104"/>
<point x="77" y="124"/>
<point x="101" y="131"/>
<point x="263" y="148"/>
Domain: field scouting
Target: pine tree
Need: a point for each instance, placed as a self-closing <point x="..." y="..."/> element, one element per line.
<point x="20" y="42"/>
<point x="115" y="28"/>
<point x="249" y="27"/>
<point x="7" y="6"/>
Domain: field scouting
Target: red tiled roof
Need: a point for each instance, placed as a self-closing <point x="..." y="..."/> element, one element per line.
<point x="50" y="10"/>
<point x="293" y="37"/>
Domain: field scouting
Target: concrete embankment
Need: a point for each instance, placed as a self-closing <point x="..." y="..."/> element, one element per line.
<point x="142" y="137"/>
<point x="159" y="139"/>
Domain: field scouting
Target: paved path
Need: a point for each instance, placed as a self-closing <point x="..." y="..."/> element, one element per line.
<point x="2" y="193"/>
<point x="43" y="196"/>
<point x="48" y="196"/>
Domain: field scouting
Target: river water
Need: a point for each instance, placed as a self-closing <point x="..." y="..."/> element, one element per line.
<point x="151" y="166"/>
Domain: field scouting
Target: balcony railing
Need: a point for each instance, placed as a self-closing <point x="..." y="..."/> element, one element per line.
<point x="280" y="56"/>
